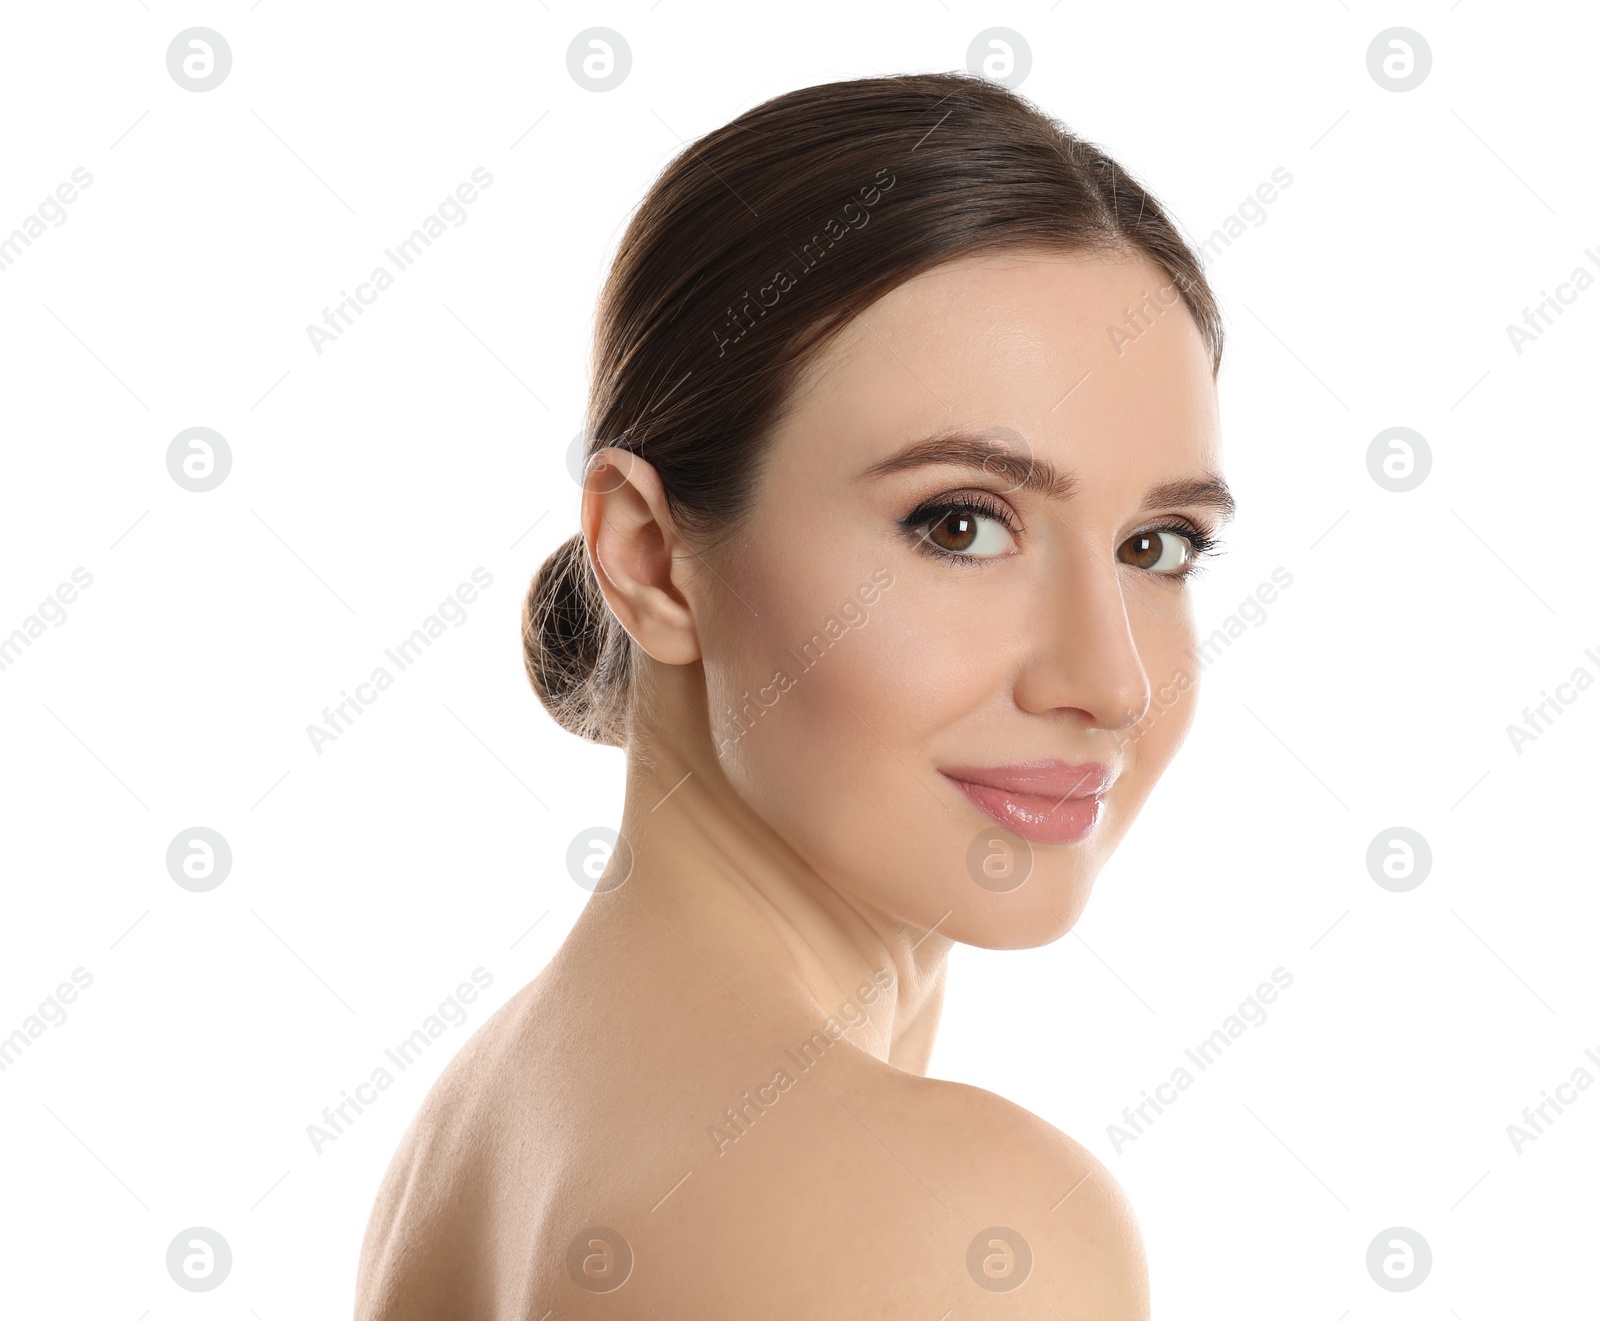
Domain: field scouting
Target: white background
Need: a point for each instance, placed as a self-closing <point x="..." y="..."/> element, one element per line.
<point x="430" y="439"/>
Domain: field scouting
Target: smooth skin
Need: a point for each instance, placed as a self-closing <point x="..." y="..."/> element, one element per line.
<point x="774" y="871"/>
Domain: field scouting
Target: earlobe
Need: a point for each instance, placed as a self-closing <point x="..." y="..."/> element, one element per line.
<point x="632" y="543"/>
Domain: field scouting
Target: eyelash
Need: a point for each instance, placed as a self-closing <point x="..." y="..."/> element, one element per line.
<point x="916" y="523"/>
<point x="1202" y="544"/>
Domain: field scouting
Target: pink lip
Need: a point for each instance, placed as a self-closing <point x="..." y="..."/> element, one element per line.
<point x="1048" y="802"/>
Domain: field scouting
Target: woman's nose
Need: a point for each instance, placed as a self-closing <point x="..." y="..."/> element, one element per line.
<point x="1084" y="656"/>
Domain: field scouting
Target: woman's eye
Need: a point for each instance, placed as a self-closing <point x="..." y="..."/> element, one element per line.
<point x="1159" y="551"/>
<point x="967" y="532"/>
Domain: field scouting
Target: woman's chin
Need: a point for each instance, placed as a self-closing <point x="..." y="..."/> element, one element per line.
<point x="1038" y="912"/>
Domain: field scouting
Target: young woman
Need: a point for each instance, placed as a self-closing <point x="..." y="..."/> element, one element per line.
<point x="903" y="439"/>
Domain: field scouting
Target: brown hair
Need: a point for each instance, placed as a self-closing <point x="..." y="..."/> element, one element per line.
<point x="753" y="248"/>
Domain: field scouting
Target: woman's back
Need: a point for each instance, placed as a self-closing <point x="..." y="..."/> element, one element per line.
<point x="626" y="1128"/>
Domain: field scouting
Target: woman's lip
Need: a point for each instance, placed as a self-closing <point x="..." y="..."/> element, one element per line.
<point x="1043" y="819"/>
<point x="1052" y="780"/>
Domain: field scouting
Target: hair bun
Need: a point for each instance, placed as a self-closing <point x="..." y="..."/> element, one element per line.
<point x="573" y="648"/>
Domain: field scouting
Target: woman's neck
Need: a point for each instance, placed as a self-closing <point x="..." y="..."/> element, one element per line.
<point x="759" y="918"/>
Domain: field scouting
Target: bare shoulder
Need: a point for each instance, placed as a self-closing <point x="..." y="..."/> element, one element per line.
<point x="874" y="1192"/>
<point x="425" y="1248"/>
<point x="1013" y="1211"/>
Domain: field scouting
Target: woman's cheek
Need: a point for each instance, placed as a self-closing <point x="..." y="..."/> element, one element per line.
<point x="849" y="692"/>
<point x="1174" y="678"/>
<point x="777" y="702"/>
<point x="844" y="712"/>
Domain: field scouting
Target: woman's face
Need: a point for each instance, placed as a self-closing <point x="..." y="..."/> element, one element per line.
<point x="950" y="684"/>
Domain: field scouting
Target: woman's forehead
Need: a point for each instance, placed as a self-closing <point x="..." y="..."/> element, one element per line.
<point x="1079" y="354"/>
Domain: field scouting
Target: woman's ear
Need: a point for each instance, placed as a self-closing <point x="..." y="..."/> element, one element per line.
<point x="633" y="546"/>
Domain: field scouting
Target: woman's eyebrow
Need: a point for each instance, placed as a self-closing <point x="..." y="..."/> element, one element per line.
<point x="1208" y="490"/>
<point x="964" y="449"/>
<point x="1028" y="472"/>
